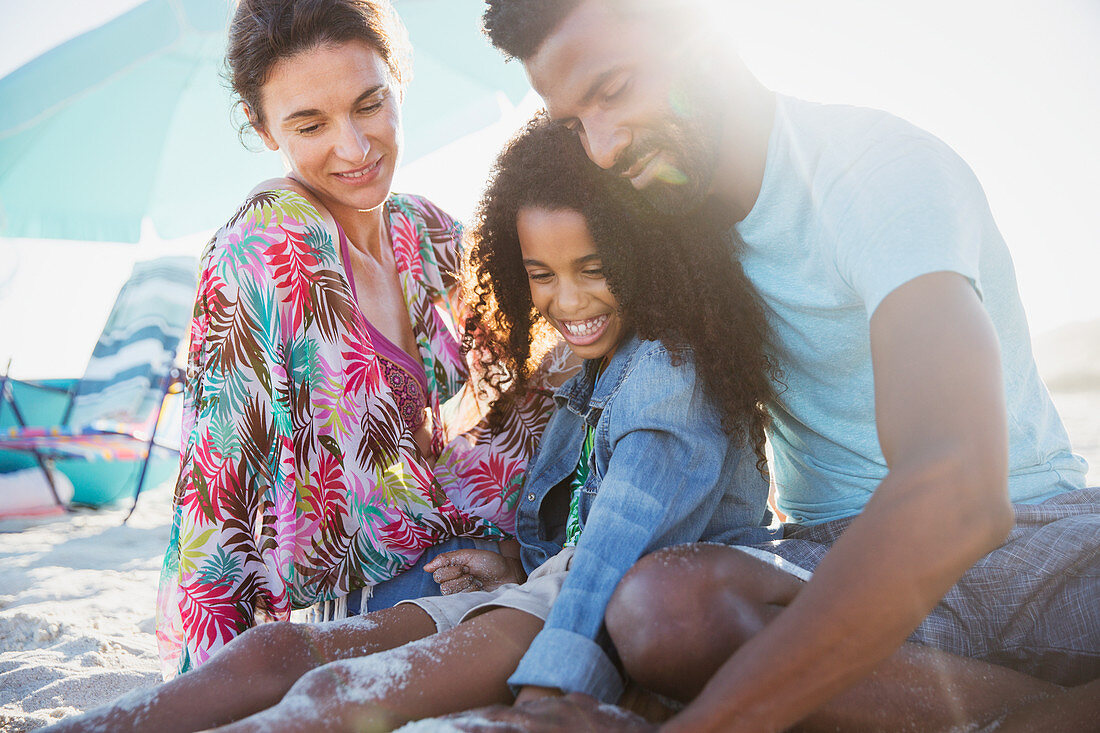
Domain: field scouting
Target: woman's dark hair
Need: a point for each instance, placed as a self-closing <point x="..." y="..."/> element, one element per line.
<point x="264" y="32"/>
<point x="676" y="281"/>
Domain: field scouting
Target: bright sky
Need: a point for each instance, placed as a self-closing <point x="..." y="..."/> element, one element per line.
<point x="1012" y="85"/>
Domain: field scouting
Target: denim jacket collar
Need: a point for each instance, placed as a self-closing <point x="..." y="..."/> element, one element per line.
<point x="586" y="396"/>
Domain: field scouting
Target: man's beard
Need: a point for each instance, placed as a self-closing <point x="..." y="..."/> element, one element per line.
<point x="690" y="140"/>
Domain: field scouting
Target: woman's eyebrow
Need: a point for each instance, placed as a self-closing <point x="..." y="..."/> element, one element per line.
<point x="302" y="113"/>
<point x="369" y="93"/>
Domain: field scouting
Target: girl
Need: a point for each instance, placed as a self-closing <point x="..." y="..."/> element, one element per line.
<point x="657" y="441"/>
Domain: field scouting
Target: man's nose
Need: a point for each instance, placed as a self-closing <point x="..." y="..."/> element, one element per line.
<point x="605" y="142"/>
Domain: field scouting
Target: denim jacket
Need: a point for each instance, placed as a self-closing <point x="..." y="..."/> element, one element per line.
<point x="662" y="472"/>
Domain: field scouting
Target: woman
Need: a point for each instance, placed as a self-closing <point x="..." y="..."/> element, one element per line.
<point x="316" y="461"/>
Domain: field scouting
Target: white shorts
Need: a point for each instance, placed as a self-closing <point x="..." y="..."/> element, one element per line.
<point x="535" y="596"/>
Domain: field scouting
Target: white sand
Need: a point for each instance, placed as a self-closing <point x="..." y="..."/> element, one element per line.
<point x="77" y="595"/>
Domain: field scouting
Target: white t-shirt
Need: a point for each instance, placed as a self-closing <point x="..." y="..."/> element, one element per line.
<point x="854" y="203"/>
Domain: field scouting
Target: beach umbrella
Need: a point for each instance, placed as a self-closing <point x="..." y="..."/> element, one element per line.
<point x="460" y="82"/>
<point x="125" y="121"/>
<point x="132" y="119"/>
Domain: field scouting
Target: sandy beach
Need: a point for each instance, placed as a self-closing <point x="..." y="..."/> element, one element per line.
<point x="76" y="609"/>
<point x="77" y="592"/>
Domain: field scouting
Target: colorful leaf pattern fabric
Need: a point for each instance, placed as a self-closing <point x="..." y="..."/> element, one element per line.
<point x="298" y="479"/>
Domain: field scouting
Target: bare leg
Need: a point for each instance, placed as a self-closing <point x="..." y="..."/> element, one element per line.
<point x="253" y="672"/>
<point x="1072" y="711"/>
<point x="680" y="613"/>
<point x="465" y="667"/>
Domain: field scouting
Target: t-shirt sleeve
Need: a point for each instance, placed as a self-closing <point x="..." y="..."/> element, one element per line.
<point x="905" y="209"/>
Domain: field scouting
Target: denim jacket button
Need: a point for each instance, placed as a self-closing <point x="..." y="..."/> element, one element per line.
<point x="531" y="497"/>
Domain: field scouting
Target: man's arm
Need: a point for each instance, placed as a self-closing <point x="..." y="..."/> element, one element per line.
<point x="940" y="414"/>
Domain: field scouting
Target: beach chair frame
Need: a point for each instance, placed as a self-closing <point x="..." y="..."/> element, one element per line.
<point x="7" y="396"/>
<point x="126" y="440"/>
<point x="172" y="383"/>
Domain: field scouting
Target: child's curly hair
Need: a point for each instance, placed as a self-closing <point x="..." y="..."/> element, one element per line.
<point x="677" y="282"/>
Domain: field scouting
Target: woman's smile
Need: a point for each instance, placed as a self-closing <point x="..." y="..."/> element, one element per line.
<point x="360" y="175"/>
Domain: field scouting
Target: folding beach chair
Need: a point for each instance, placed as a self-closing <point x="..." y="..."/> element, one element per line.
<point x="114" y="409"/>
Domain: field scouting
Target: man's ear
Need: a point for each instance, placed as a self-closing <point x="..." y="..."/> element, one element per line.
<point x="263" y="133"/>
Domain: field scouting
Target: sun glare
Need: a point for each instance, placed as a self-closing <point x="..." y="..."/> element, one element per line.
<point x="1011" y="85"/>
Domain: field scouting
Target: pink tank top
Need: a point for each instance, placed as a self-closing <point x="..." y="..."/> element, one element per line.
<point x="404" y="375"/>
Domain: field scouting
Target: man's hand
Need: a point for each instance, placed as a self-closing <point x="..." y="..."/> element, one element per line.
<point x="466" y="570"/>
<point x="573" y="712"/>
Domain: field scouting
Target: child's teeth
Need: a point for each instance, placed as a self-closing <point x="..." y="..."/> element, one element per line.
<point x="584" y="328"/>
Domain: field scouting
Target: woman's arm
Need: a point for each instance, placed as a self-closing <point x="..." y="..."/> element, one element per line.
<point x="210" y="573"/>
<point x="480" y="469"/>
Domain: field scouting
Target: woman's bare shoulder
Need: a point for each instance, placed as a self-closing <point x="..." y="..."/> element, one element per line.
<point x="289" y="184"/>
<point x="284" y="183"/>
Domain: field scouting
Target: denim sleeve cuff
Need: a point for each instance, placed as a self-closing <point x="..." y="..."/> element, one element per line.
<point x="589" y="670"/>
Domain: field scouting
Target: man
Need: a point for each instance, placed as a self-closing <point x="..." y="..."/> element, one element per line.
<point x="913" y="417"/>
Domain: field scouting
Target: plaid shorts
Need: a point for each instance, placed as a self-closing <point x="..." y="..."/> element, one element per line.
<point x="1033" y="604"/>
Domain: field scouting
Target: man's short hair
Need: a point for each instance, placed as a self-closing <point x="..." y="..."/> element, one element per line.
<point x="519" y="27"/>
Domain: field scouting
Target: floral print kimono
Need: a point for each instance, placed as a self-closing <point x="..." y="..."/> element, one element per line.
<point x="299" y="476"/>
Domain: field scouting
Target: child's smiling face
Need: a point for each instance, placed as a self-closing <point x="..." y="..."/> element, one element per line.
<point x="567" y="281"/>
